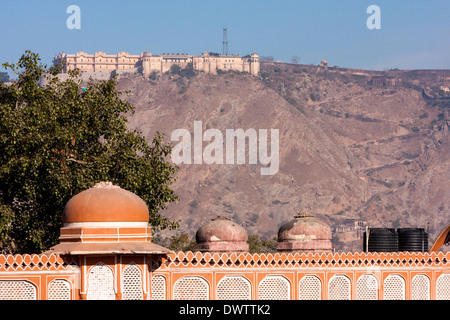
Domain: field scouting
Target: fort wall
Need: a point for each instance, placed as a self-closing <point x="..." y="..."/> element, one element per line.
<point x="147" y="63"/>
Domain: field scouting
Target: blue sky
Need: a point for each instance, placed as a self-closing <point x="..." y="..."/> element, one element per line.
<point x="414" y="34"/>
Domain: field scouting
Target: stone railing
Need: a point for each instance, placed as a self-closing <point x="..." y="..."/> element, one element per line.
<point x="33" y="262"/>
<point x="300" y="276"/>
<point x="306" y="260"/>
<point x="214" y="276"/>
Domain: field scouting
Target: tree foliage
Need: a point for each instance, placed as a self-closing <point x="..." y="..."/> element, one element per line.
<point x="181" y="241"/>
<point x="59" y="139"/>
<point x="261" y="245"/>
<point x="187" y="72"/>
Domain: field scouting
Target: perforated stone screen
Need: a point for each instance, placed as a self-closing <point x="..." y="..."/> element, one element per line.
<point x="158" y="288"/>
<point x="233" y="288"/>
<point x="309" y="288"/>
<point x="274" y="288"/>
<point x="132" y="283"/>
<point x="394" y="288"/>
<point x="339" y="288"/>
<point x="420" y="287"/>
<point x="191" y="288"/>
<point x="17" y="290"/>
<point x="367" y="287"/>
<point x="101" y="283"/>
<point x="443" y="287"/>
<point x="59" y="289"/>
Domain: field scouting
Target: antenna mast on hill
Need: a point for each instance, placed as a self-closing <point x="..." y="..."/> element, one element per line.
<point x="225" y="42"/>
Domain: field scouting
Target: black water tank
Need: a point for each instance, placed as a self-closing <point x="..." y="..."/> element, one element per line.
<point x="412" y="239"/>
<point x="380" y="240"/>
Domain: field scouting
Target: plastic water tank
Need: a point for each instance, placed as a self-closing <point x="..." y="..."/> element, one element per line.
<point x="380" y="240"/>
<point x="412" y="239"/>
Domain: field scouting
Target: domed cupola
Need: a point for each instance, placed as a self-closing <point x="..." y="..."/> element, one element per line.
<point x="304" y="233"/>
<point x="105" y="205"/>
<point x="221" y="235"/>
<point x="106" y="219"/>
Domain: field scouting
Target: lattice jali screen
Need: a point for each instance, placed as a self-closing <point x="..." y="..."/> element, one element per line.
<point x="233" y="288"/>
<point x="191" y="288"/>
<point x="17" y="290"/>
<point x="420" y="287"/>
<point x="274" y="288"/>
<point x="101" y="283"/>
<point x="58" y="289"/>
<point x="339" y="288"/>
<point x="309" y="288"/>
<point x="306" y="259"/>
<point x="394" y="288"/>
<point x="158" y="288"/>
<point x="132" y="283"/>
<point x="367" y="287"/>
<point x="443" y="287"/>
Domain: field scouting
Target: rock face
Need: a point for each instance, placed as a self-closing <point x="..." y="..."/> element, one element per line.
<point x="349" y="149"/>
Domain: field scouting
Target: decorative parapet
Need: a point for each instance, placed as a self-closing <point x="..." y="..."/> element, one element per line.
<point x="197" y="275"/>
<point x="304" y="260"/>
<point x="55" y="262"/>
<point x="34" y="262"/>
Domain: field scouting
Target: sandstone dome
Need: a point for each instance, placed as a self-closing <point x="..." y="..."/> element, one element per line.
<point x="305" y="233"/>
<point x="221" y="235"/>
<point x="105" y="202"/>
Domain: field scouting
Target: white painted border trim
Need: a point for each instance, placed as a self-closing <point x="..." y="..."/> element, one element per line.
<point x="114" y="224"/>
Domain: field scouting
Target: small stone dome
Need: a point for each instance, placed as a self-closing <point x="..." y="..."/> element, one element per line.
<point x="221" y="235"/>
<point x="105" y="202"/>
<point x="305" y="233"/>
<point x="147" y="54"/>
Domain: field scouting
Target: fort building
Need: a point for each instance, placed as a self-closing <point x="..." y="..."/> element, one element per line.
<point x="146" y="63"/>
<point x="105" y="252"/>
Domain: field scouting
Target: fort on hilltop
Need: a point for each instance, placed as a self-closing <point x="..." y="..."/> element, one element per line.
<point x="146" y="63"/>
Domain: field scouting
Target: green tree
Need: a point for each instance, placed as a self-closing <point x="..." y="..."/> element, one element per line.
<point x="261" y="245"/>
<point x="175" y="69"/>
<point x="61" y="138"/>
<point x="181" y="241"/>
<point x="154" y="75"/>
<point x="187" y="72"/>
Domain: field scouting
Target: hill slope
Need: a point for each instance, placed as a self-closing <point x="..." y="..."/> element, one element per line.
<point x="349" y="147"/>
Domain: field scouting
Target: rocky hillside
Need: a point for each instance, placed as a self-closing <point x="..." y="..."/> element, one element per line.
<point x="370" y="147"/>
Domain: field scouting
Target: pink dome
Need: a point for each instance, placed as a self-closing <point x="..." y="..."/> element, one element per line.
<point x="305" y="233"/>
<point x="221" y="235"/>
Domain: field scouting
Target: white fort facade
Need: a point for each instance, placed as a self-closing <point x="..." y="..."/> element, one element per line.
<point x="147" y="63"/>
